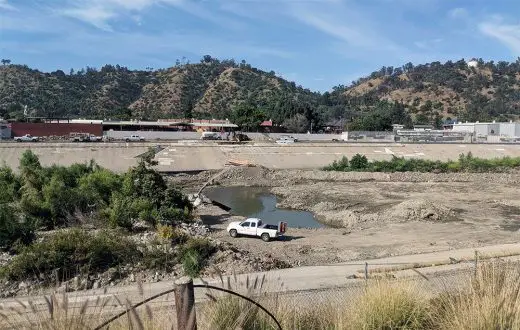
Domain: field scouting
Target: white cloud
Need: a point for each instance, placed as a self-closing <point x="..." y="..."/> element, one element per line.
<point x="5" y="5"/>
<point x="97" y="16"/>
<point x="331" y="21"/>
<point x="509" y="35"/>
<point x="101" y="13"/>
<point x="458" y="13"/>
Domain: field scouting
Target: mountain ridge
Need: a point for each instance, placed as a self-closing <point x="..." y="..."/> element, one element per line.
<point x="426" y="93"/>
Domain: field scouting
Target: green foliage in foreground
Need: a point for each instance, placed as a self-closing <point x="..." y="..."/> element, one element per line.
<point x="71" y="252"/>
<point x="58" y="196"/>
<point x="465" y="163"/>
<point x="194" y="255"/>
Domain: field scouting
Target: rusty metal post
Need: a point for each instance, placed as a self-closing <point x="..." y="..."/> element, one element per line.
<point x="366" y="271"/>
<point x="185" y="304"/>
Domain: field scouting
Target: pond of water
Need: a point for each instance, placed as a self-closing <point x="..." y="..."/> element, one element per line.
<point x="254" y="202"/>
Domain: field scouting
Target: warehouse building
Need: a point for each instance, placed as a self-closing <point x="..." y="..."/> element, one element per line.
<point x="509" y="129"/>
<point x="490" y="132"/>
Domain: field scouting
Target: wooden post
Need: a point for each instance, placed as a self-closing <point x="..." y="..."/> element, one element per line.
<point x="185" y="304"/>
<point x="366" y="271"/>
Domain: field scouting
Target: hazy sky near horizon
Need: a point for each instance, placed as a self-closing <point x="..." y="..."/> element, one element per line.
<point x="316" y="43"/>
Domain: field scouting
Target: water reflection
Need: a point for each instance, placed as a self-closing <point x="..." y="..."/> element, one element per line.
<point x="259" y="203"/>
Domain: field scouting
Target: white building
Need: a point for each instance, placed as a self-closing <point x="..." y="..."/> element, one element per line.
<point x="478" y="129"/>
<point x="464" y="127"/>
<point x="473" y="63"/>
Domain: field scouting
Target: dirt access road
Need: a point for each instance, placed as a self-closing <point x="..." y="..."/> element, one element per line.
<point x="379" y="214"/>
<point x="282" y="280"/>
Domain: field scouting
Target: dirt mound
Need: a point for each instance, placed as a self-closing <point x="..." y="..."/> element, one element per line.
<point x="248" y="176"/>
<point x="417" y="209"/>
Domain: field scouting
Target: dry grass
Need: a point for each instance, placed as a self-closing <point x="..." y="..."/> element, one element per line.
<point x="491" y="300"/>
<point x="391" y="305"/>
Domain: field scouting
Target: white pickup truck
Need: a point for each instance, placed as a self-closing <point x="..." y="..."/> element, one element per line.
<point x="26" y="138"/>
<point x="286" y="139"/>
<point x="255" y="227"/>
<point x="134" y="138"/>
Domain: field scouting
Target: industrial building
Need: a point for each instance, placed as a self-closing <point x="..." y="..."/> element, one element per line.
<point x="491" y="132"/>
<point x="165" y="129"/>
<point x="159" y="125"/>
<point x="54" y="129"/>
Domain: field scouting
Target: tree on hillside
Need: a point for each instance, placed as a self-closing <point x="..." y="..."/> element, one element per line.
<point x="382" y="117"/>
<point x="247" y="116"/>
<point x="6" y="61"/>
<point x="297" y="124"/>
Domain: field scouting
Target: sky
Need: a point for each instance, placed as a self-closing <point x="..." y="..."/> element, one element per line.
<point x="316" y="43"/>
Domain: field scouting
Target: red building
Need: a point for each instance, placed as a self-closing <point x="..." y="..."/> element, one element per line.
<point x="54" y="129"/>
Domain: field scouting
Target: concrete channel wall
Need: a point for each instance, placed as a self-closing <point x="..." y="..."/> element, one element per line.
<point x="115" y="156"/>
<point x="197" y="155"/>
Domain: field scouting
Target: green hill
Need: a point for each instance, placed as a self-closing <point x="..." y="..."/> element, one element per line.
<point x="214" y="89"/>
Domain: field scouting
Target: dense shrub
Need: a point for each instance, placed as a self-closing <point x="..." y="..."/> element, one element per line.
<point x="465" y="163"/>
<point x="194" y="254"/>
<point x="55" y="195"/>
<point x="359" y="162"/>
<point x="71" y="252"/>
<point x="338" y="165"/>
<point x="13" y="231"/>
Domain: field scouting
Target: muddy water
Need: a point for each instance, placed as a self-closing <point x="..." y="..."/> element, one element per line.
<point x="257" y="202"/>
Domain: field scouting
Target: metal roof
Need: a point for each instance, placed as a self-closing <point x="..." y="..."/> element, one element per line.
<point x="213" y="125"/>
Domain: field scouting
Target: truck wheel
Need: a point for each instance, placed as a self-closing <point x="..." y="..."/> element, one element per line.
<point x="127" y="140"/>
<point x="265" y="237"/>
<point x="233" y="233"/>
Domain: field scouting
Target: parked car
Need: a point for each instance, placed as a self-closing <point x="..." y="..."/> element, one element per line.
<point x="134" y="138"/>
<point x="285" y="139"/>
<point x="94" y="138"/>
<point x="255" y="227"/>
<point x="26" y="138"/>
<point x="79" y="137"/>
<point x="210" y="136"/>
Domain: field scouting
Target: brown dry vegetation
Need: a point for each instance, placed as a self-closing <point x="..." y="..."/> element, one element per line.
<point x="488" y="300"/>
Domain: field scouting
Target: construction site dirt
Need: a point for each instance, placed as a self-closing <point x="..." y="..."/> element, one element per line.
<point x="373" y="215"/>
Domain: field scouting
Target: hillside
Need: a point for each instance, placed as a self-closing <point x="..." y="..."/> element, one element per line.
<point x="214" y="89"/>
<point x="480" y="91"/>
<point x="209" y="89"/>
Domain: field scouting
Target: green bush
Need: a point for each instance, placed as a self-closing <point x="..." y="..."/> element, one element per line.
<point x="194" y="255"/>
<point x="341" y="165"/>
<point x="465" y="163"/>
<point x="157" y="257"/>
<point x="359" y="162"/>
<point x="12" y="230"/>
<point x="54" y="195"/>
<point x="71" y="252"/>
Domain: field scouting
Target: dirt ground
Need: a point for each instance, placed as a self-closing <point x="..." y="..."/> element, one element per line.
<point x="375" y="214"/>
